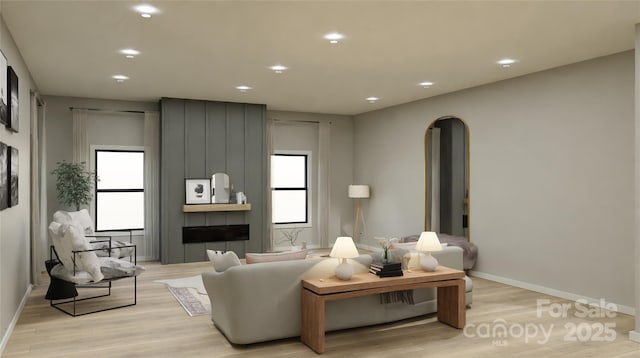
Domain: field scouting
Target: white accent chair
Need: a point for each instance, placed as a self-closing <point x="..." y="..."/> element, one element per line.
<point x="75" y="264"/>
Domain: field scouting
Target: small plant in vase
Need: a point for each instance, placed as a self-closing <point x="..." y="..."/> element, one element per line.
<point x="384" y="243"/>
<point x="291" y="236"/>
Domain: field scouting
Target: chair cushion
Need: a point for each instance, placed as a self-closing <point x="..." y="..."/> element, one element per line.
<point x="68" y="238"/>
<point x="276" y="256"/>
<point x="119" y="249"/>
<point x="111" y="268"/>
<point x="80" y="218"/>
<point x="223" y="260"/>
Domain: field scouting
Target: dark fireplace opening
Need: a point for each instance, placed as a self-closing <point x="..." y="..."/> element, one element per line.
<point x="216" y="233"/>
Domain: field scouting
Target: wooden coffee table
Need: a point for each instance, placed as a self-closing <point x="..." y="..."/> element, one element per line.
<point x="315" y="292"/>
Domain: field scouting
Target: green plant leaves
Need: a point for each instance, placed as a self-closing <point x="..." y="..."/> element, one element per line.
<point x="73" y="184"/>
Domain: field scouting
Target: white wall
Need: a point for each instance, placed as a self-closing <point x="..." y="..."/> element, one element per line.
<point x="14" y="222"/>
<point x="551" y="177"/>
<point x="103" y="128"/>
<point x="341" y="209"/>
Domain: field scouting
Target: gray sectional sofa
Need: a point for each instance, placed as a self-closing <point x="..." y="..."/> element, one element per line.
<point x="261" y="302"/>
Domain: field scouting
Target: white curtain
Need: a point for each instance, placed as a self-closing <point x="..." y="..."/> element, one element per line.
<point x="38" y="239"/>
<point x="324" y="187"/>
<point x="80" y="140"/>
<point x="268" y="223"/>
<point x="152" y="182"/>
<point x="434" y="159"/>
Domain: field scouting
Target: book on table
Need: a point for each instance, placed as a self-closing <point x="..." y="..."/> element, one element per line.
<point x="395" y="266"/>
<point x="392" y="273"/>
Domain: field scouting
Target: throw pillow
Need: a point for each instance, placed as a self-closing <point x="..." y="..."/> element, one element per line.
<point x="223" y="260"/>
<point x="68" y="238"/>
<point x="276" y="256"/>
<point x="404" y="245"/>
<point x="83" y="219"/>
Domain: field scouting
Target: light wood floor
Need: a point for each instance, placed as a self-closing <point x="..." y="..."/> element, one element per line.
<point x="158" y="327"/>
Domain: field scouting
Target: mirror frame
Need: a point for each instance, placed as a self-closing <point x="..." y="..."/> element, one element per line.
<point x="467" y="176"/>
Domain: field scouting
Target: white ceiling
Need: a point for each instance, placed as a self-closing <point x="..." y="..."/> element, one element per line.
<point x="204" y="49"/>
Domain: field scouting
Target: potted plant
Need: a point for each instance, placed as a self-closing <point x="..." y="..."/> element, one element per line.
<point x="291" y="236"/>
<point x="74" y="184"/>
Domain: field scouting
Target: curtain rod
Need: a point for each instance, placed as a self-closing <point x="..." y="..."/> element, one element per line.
<point x="293" y="120"/>
<point x="107" y="110"/>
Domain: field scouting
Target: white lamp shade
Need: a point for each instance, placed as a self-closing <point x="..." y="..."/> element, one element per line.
<point x="428" y="241"/>
<point x="344" y="248"/>
<point x="358" y="191"/>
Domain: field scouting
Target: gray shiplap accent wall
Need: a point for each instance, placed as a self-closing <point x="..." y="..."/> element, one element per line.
<point x="198" y="139"/>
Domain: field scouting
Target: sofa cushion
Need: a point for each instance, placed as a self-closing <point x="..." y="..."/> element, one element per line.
<point x="276" y="256"/>
<point x="222" y="260"/>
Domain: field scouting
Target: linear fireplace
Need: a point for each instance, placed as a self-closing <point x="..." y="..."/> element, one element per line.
<point x="216" y="233"/>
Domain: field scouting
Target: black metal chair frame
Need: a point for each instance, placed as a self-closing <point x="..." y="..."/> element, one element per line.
<point x="104" y="284"/>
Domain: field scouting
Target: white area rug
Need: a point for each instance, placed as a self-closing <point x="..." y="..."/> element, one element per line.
<point x="190" y="293"/>
<point x="192" y="282"/>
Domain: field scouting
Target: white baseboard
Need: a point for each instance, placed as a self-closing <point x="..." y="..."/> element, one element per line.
<point x="634" y="336"/>
<point x="550" y="291"/>
<point x="14" y="321"/>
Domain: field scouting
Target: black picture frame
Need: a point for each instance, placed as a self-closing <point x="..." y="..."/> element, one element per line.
<point x="13" y="120"/>
<point x="4" y="177"/>
<point x="12" y="173"/>
<point x="197" y="191"/>
<point x="4" y="119"/>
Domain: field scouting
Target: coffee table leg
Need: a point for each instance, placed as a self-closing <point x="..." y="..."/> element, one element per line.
<point x="312" y="321"/>
<point x="451" y="304"/>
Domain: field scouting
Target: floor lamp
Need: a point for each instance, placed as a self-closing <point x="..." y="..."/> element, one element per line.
<point x="359" y="192"/>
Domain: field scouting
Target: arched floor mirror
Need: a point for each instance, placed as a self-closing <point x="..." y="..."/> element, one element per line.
<point x="446" y="182"/>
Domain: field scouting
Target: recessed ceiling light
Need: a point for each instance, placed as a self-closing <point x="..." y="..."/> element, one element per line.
<point x="243" y="88"/>
<point x="146" y="10"/>
<point x="507" y="62"/>
<point x="372" y="99"/>
<point x="425" y="84"/>
<point x="120" y="78"/>
<point x="129" y="52"/>
<point x="334" y="37"/>
<point x="278" y="68"/>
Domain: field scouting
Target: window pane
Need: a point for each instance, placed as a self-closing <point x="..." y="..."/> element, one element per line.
<point x="120" y="170"/>
<point x="289" y="206"/>
<point x="288" y="171"/>
<point x="120" y="211"/>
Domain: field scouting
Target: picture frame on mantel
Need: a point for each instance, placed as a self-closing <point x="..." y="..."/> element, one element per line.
<point x="4" y="102"/>
<point x="12" y="98"/>
<point x="197" y="191"/>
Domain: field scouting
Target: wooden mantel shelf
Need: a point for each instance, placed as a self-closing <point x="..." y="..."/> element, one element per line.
<point x="201" y="208"/>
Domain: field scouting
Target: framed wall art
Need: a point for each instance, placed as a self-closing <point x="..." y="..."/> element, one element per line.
<point x="13" y="176"/>
<point x="197" y="191"/>
<point x="4" y="119"/>
<point x="12" y="104"/>
<point x="4" y="177"/>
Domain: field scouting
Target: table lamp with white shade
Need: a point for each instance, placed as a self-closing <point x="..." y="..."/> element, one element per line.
<point x="428" y="243"/>
<point x="359" y="192"/>
<point x="344" y="249"/>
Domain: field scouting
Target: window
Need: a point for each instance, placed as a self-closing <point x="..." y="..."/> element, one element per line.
<point x="289" y="189"/>
<point x="119" y="190"/>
